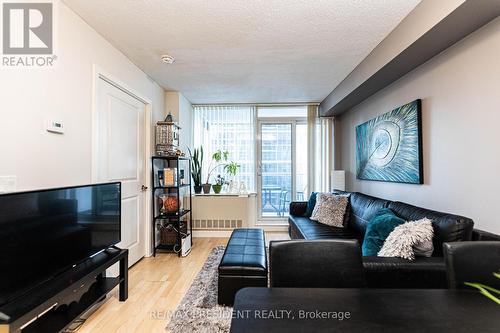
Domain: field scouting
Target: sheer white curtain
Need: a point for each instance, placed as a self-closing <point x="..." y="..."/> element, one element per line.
<point x="231" y="128"/>
<point x="320" y="152"/>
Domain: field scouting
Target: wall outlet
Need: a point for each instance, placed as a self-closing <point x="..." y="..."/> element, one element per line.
<point x="8" y="184"/>
<point x="55" y="126"/>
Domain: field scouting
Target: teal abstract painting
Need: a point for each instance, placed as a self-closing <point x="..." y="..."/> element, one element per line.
<point x="389" y="147"/>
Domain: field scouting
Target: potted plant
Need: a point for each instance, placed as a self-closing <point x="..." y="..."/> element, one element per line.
<point x="196" y="167"/>
<point x="220" y="158"/>
<point x="219" y="182"/>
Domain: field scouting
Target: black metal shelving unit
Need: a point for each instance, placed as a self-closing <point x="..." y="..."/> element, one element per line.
<point x="182" y="215"/>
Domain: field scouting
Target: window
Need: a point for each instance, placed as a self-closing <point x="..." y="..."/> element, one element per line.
<point x="230" y="128"/>
<point x="272" y="138"/>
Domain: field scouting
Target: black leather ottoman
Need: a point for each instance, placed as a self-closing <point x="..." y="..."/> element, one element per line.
<point x="244" y="264"/>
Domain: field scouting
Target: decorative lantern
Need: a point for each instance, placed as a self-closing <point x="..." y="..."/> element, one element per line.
<point x="167" y="137"/>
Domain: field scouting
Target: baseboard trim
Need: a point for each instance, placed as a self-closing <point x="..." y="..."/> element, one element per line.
<point x="212" y="233"/>
<point x="227" y="233"/>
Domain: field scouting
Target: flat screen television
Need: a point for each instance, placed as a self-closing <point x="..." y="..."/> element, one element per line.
<point x="46" y="232"/>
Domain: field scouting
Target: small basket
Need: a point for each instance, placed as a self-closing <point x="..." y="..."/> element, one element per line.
<point x="168" y="235"/>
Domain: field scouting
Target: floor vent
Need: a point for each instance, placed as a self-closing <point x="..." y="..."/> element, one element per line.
<point x="217" y="224"/>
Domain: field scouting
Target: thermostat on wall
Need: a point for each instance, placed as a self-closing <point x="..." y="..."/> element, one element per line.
<point x="54" y="126"/>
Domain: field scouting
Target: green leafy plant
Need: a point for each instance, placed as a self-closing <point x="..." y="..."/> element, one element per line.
<point x="220" y="159"/>
<point x="486" y="290"/>
<point x="196" y="165"/>
<point x="232" y="168"/>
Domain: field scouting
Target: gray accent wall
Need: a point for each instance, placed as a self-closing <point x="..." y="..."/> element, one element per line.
<point x="460" y="93"/>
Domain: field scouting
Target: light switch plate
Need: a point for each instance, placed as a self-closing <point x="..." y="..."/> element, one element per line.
<point x="8" y="184"/>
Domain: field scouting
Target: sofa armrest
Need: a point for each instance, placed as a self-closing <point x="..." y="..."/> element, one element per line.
<point x="481" y="235"/>
<point x="298" y="208"/>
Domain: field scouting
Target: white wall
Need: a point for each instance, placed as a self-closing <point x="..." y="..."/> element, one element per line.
<point x="30" y="97"/>
<point x="186" y="122"/>
<point x="182" y="109"/>
<point x="460" y="92"/>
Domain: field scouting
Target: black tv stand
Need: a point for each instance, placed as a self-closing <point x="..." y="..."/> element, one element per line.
<point x="55" y="304"/>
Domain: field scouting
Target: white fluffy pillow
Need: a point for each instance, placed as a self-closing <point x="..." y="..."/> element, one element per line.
<point x="330" y="209"/>
<point x="406" y="238"/>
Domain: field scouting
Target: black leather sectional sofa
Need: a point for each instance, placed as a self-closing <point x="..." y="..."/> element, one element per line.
<point x="391" y="272"/>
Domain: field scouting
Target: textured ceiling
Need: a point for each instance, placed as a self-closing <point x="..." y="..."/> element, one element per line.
<point x="233" y="51"/>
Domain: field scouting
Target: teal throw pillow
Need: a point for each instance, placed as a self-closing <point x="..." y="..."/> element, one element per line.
<point x="310" y="204"/>
<point x="379" y="228"/>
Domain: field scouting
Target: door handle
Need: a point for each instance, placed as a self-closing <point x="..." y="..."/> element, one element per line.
<point x="144" y="188"/>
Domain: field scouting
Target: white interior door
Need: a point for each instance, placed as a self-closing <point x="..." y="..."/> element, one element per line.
<point x="120" y="145"/>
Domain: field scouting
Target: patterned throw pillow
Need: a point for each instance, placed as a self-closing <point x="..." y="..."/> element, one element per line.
<point x="405" y="239"/>
<point x="330" y="209"/>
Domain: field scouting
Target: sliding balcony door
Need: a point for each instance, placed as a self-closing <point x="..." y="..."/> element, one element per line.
<point x="281" y="167"/>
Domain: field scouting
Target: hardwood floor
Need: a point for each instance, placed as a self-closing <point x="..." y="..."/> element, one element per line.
<point x="156" y="285"/>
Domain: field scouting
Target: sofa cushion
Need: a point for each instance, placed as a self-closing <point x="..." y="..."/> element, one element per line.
<point x="447" y="227"/>
<point x="383" y="272"/>
<point x="363" y="209"/>
<point x="379" y="228"/>
<point x="303" y="226"/>
<point x="481" y="235"/>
